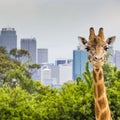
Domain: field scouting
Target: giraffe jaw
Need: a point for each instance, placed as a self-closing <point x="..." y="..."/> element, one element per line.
<point x="97" y="64"/>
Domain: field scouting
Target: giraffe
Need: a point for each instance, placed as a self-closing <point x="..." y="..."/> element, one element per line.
<point x="97" y="47"/>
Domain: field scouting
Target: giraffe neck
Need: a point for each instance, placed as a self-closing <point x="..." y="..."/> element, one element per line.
<point x="102" y="110"/>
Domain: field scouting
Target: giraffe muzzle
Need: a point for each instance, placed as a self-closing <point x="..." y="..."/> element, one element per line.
<point x="97" y="58"/>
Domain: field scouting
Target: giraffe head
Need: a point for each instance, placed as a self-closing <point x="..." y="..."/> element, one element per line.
<point x="96" y="47"/>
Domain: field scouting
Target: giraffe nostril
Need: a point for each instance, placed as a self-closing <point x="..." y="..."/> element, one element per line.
<point x="95" y="58"/>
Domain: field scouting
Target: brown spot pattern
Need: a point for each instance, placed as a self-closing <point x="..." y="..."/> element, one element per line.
<point x="102" y="103"/>
<point x="95" y="41"/>
<point x="97" y="69"/>
<point x="104" y="116"/>
<point x="95" y="94"/>
<point x="94" y="76"/>
<point x="100" y="90"/>
<point x="100" y="75"/>
<point x="97" y="111"/>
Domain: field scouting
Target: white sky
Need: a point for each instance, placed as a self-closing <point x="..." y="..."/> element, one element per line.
<point x="56" y="24"/>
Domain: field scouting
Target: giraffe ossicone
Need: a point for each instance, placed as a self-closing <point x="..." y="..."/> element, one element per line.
<point x="97" y="47"/>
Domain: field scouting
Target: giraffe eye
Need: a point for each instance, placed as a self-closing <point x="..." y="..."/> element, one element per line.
<point x="87" y="48"/>
<point x="106" y="48"/>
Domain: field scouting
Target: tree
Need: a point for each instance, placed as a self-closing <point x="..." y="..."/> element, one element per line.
<point x="15" y="104"/>
<point x="18" y="53"/>
<point x="33" y="67"/>
<point x="112" y="81"/>
<point x="23" y="81"/>
<point x="5" y="63"/>
<point x="8" y="64"/>
<point x="30" y="100"/>
<point x="88" y="75"/>
<point x="3" y="50"/>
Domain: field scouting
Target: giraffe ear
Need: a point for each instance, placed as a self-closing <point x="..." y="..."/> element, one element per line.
<point x="110" y="40"/>
<point x="82" y="40"/>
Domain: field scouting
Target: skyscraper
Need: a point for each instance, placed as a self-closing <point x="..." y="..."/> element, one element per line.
<point x="79" y="61"/>
<point x="8" y="38"/>
<point x="65" y="73"/>
<point x="42" y="55"/>
<point x="29" y="44"/>
<point x="117" y="59"/>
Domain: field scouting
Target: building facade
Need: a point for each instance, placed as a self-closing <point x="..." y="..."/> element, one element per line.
<point x="117" y="59"/>
<point x="79" y="60"/>
<point x="60" y="61"/>
<point x="29" y="44"/>
<point x="54" y="75"/>
<point x="110" y="53"/>
<point x="65" y="73"/>
<point x="8" y="38"/>
<point x="63" y="61"/>
<point x="46" y="78"/>
<point x="42" y="55"/>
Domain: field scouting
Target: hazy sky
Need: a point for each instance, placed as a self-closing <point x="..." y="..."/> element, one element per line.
<point x="56" y="24"/>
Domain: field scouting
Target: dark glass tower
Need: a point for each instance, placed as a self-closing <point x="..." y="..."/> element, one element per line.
<point x="29" y="44"/>
<point x="79" y="61"/>
<point x="8" y="38"/>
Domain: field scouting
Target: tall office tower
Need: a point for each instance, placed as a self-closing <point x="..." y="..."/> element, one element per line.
<point x="117" y="59"/>
<point x="79" y="60"/>
<point x="8" y="38"/>
<point x="46" y="75"/>
<point x="55" y="74"/>
<point x="29" y="44"/>
<point x="42" y="55"/>
<point x="65" y="73"/>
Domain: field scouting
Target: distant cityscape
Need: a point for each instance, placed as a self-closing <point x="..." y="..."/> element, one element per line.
<point x="59" y="72"/>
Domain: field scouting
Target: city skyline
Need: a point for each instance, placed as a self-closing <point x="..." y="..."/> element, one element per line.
<point x="62" y="70"/>
<point x="56" y="25"/>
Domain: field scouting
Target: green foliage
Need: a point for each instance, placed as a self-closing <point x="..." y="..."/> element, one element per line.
<point x="5" y="63"/>
<point x="30" y="100"/>
<point x="88" y="76"/>
<point x="18" y="53"/>
<point x="10" y="65"/>
<point x="112" y="80"/>
<point x="3" y="50"/>
<point x="21" y="80"/>
<point x="15" y="104"/>
<point x="77" y="99"/>
<point x="114" y="99"/>
<point x="33" y="67"/>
